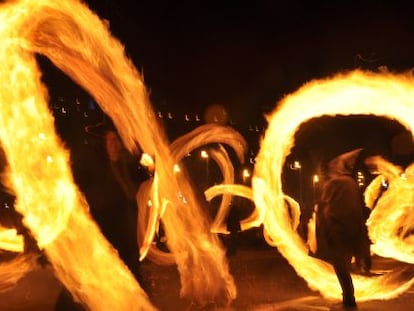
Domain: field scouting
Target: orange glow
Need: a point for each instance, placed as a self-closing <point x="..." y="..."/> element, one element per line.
<point x="212" y="133"/>
<point x="251" y="221"/>
<point x="10" y="240"/>
<point x="39" y="171"/>
<point x="391" y="221"/>
<point x="386" y="95"/>
<point x="149" y="194"/>
<point x="80" y="44"/>
<point x="149" y="218"/>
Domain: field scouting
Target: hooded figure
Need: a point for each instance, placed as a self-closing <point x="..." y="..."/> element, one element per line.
<point x="341" y="232"/>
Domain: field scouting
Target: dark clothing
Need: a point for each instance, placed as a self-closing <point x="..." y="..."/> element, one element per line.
<point x="340" y="221"/>
<point x="110" y="206"/>
<point x="116" y="216"/>
<point x="128" y="175"/>
<point x="234" y="227"/>
<point x="340" y="226"/>
<point x="125" y="175"/>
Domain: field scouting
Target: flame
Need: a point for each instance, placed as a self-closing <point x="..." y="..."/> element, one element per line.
<point x="363" y="93"/>
<point x="251" y="221"/>
<point x="391" y="221"/>
<point x="80" y="44"/>
<point x="202" y="135"/>
<point x="10" y="240"/>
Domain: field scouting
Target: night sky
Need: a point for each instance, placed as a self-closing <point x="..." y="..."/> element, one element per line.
<point x="246" y="55"/>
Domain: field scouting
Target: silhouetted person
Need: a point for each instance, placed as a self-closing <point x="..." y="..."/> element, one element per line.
<point x="233" y="226"/>
<point x="112" y="179"/>
<point x="341" y="231"/>
<point x="127" y="173"/>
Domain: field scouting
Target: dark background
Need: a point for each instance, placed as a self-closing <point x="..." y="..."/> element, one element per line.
<point x="246" y="55"/>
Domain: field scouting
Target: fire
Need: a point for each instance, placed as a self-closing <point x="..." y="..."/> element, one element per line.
<point x="80" y="44"/>
<point x="237" y="190"/>
<point x="149" y="194"/>
<point x="391" y="222"/>
<point x="386" y="95"/>
<point x="207" y="134"/>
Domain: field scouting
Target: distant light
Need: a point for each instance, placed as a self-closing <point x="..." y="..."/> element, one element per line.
<point x="360" y="179"/>
<point x="295" y="165"/>
<point x="246" y="173"/>
<point x="147" y="161"/>
<point x="315" y="178"/>
<point x="204" y="154"/>
<point x="176" y="168"/>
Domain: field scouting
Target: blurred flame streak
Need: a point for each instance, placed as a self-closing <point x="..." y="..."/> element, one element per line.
<point x="80" y="44"/>
<point x="208" y="134"/>
<point x="391" y="222"/>
<point x="202" y="135"/>
<point x="251" y="221"/>
<point x="10" y="240"/>
<point x="387" y="95"/>
<point x="84" y="49"/>
<point x="148" y="224"/>
<point x="39" y="170"/>
<point x="153" y="218"/>
<point x="222" y="159"/>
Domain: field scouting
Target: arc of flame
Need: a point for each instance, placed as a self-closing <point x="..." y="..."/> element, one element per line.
<point x="80" y="44"/>
<point x="391" y="222"/>
<point x="39" y="170"/>
<point x="251" y="221"/>
<point x="202" y="135"/>
<point x="386" y="95"/>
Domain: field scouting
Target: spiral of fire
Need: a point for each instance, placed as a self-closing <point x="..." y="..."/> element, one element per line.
<point x="360" y="93"/>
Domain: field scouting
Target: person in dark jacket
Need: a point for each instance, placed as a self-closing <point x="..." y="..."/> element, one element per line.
<point x="341" y="232"/>
<point x="127" y="173"/>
